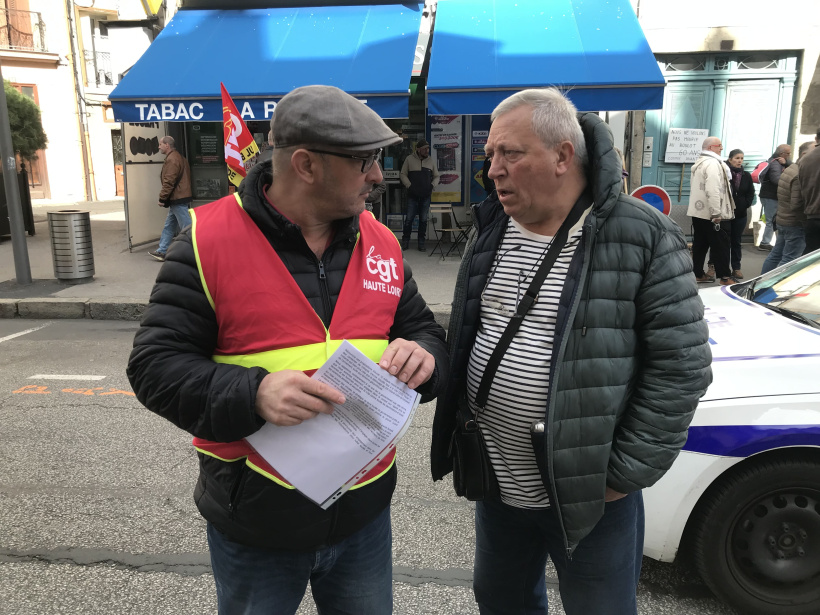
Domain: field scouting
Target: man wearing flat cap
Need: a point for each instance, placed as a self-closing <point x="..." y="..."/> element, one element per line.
<point x="420" y="176"/>
<point x="251" y="300"/>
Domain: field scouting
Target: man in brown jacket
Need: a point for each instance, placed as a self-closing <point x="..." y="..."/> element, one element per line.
<point x="175" y="195"/>
<point x="790" y="219"/>
<point x="810" y="187"/>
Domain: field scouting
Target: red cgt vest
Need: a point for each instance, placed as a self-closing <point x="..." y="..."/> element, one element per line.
<point x="264" y="318"/>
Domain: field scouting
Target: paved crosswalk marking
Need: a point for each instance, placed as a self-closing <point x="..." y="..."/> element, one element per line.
<point x="64" y="377"/>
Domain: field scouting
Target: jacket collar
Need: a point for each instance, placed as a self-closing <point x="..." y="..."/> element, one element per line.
<point x="712" y="154"/>
<point x="605" y="173"/>
<point x="705" y="155"/>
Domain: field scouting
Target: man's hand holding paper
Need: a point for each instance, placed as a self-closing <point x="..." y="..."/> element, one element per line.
<point x="324" y="457"/>
<point x="408" y="362"/>
<point x="289" y="397"/>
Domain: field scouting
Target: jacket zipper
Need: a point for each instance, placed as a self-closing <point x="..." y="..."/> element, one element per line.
<point x="324" y="290"/>
<point x="593" y="239"/>
<point x="554" y="369"/>
<point x="236" y="490"/>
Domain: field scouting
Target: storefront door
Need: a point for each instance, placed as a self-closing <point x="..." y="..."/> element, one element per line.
<point x="743" y="98"/>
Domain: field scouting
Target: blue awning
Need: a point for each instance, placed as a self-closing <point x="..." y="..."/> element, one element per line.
<point x="262" y="54"/>
<point x="485" y="50"/>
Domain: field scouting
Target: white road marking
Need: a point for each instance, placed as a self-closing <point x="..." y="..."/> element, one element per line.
<point x="64" y="377"/>
<point x="27" y="331"/>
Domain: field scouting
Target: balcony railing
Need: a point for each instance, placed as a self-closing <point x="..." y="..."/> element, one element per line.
<point x="98" y="68"/>
<point x="22" y="30"/>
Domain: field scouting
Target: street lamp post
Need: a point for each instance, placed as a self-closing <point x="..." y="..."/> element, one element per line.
<point x="22" y="267"/>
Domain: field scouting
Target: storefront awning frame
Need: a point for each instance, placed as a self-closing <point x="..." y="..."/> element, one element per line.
<point x="485" y="50"/>
<point x="262" y="54"/>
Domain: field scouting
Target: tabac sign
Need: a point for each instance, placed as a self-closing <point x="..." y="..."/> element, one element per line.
<point x="210" y="109"/>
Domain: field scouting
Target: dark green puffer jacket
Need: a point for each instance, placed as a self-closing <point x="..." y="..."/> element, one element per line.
<point x="632" y="355"/>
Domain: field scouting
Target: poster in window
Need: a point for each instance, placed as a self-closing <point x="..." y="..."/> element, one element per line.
<point x="445" y="148"/>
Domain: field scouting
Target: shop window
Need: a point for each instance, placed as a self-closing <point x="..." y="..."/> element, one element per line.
<point x="206" y="155"/>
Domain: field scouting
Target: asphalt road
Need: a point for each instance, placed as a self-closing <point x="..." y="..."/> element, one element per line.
<point x="96" y="508"/>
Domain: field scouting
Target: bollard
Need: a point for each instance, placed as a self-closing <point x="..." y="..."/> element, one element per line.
<point x="71" y="248"/>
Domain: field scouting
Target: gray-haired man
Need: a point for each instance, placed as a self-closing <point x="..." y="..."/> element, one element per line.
<point x="592" y="398"/>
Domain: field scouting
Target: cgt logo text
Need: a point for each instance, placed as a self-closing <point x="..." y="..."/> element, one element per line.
<point x="386" y="270"/>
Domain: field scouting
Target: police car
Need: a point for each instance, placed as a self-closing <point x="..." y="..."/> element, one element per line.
<point x="744" y="494"/>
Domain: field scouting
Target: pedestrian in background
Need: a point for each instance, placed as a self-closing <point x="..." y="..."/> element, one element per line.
<point x="810" y="189"/>
<point x="373" y="202"/>
<point x="175" y="195"/>
<point x="791" y="216"/>
<point x="778" y="162"/>
<point x="489" y="185"/>
<point x="743" y="196"/>
<point x="712" y="209"/>
<point x="277" y="281"/>
<point x="591" y="398"/>
<point x="420" y="176"/>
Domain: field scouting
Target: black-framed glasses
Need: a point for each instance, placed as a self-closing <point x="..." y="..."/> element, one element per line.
<point x="367" y="161"/>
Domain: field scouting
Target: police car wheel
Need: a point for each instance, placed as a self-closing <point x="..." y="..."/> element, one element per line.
<point x="757" y="537"/>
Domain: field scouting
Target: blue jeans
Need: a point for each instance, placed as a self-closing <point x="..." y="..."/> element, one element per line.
<point x="769" y="210"/>
<point x="420" y="208"/>
<point x="353" y="577"/>
<point x="789" y="246"/>
<point x="178" y="218"/>
<point x="512" y="546"/>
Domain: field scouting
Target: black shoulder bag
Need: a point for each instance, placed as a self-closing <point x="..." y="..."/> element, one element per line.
<point x="473" y="476"/>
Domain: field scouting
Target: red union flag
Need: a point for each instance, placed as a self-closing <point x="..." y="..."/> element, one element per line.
<point x="240" y="148"/>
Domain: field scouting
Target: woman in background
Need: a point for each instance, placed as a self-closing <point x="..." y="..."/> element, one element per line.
<point x="743" y="194"/>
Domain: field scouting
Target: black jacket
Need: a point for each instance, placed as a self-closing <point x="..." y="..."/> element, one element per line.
<point x="768" y="187"/>
<point x="744" y="195"/>
<point x="173" y="375"/>
<point x="631" y="355"/>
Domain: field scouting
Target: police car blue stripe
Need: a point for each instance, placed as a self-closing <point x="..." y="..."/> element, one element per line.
<point x="745" y="440"/>
<point x="765" y="356"/>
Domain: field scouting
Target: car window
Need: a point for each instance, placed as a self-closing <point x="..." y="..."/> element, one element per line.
<point x="794" y="288"/>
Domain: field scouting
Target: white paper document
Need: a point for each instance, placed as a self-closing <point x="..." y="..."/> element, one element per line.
<point x="324" y="456"/>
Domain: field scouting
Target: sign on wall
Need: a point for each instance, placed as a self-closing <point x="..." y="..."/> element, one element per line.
<point x="684" y="144"/>
<point x="445" y="148"/>
<point x="141" y="142"/>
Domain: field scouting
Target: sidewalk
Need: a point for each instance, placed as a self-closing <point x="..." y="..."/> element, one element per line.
<point x="123" y="280"/>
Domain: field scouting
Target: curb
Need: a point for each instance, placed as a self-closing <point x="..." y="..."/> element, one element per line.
<point x="115" y="309"/>
<point x="73" y="308"/>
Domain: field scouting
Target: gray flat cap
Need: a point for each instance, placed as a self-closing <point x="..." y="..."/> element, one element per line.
<point x="325" y="115"/>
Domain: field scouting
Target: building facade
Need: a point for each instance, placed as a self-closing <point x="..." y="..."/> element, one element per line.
<point x="67" y="55"/>
<point x="749" y="74"/>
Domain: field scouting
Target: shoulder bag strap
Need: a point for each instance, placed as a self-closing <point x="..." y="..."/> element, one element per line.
<point x="529" y="297"/>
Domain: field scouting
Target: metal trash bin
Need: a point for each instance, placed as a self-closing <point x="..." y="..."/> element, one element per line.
<point x="71" y="249"/>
